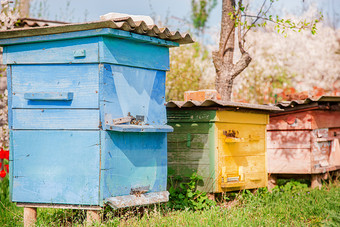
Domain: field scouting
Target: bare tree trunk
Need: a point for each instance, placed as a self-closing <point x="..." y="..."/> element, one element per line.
<point x="24" y="8"/>
<point x="226" y="70"/>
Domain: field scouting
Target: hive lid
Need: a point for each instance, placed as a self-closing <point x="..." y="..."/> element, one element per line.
<point x="329" y="102"/>
<point x="124" y="23"/>
<point x="221" y="104"/>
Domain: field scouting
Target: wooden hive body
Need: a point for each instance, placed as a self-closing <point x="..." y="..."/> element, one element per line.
<point x="304" y="142"/>
<point x="227" y="148"/>
<point x="65" y="92"/>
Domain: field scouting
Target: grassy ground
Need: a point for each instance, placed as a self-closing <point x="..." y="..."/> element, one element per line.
<point x="292" y="204"/>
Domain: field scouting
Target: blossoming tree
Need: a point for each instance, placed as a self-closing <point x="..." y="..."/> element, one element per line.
<point x="237" y="21"/>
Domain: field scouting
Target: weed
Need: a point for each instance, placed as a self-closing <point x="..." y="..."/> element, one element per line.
<point x="186" y="196"/>
<point x="10" y="214"/>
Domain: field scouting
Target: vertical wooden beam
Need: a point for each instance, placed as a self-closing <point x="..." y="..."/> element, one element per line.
<point x="30" y="216"/>
<point x="272" y="182"/>
<point x="92" y="216"/>
<point x="316" y="181"/>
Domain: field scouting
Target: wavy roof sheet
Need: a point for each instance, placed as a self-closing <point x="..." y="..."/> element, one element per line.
<point x="33" y="22"/>
<point x="124" y="23"/>
<point x="298" y="104"/>
<point x="221" y="104"/>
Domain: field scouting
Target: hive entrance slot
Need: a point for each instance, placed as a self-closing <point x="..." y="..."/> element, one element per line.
<point x="139" y="190"/>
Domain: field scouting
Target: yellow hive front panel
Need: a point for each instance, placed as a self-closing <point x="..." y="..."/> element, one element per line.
<point x="241" y="150"/>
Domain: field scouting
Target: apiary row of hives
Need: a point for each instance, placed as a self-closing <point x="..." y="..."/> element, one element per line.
<point x="88" y="122"/>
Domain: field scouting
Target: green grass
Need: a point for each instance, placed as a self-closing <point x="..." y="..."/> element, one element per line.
<point x="292" y="204"/>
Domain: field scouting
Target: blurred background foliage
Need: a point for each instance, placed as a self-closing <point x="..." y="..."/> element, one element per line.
<point x="187" y="68"/>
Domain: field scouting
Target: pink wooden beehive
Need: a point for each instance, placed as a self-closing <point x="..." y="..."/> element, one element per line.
<point x="304" y="139"/>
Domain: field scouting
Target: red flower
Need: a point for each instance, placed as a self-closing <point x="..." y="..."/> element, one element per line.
<point x="6" y="155"/>
<point x="2" y="173"/>
<point x="7" y="168"/>
<point x="0" y="165"/>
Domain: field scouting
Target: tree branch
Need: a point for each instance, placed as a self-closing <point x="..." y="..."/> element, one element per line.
<point x="275" y="22"/>
<point x="240" y="65"/>
<point x="240" y="45"/>
<point x="257" y="18"/>
<point x="240" y="40"/>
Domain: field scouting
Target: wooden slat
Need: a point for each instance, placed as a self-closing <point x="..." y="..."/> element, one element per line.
<point x="55" y="119"/>
<point x="61" y="51"/>
<point x="58" y="206"/>
<point x="326" y="119"/>
<point x="199" y="157"/>
<point x="126" y="52"/>
<point x="293" y="161"/>
<point x="242" y="118"/>
<point x="81" y="80"/>
<point x="196" y="116"/>
<point x="183" y="127"/>
<point x="10" y="97"/>
<point x="289" y="139"/>
<point x="249" y="164"/>
<point x="185" y="140"/>
<point x="290" y="121"/>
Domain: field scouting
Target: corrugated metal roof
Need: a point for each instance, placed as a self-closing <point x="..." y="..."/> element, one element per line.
<point x="221" y="104"/>
<point x="308" y="101"/>
<point x="124" y="23"/>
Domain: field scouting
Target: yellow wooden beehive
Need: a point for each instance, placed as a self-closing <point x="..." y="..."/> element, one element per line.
<point x="224" y="142"/>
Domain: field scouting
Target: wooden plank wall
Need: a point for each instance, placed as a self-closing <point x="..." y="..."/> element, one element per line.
<point x="304" y="142"/>
<point x="191" y="147"/>
<point x="45" y="171"/>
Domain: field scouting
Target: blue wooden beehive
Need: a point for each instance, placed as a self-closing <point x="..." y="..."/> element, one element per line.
<point x="86" y="113"/>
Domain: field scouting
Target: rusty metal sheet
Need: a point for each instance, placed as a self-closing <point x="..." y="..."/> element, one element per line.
<point x="137" y="200"/>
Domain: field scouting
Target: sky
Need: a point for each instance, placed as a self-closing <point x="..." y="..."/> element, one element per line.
<point x="174" y="12"/>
